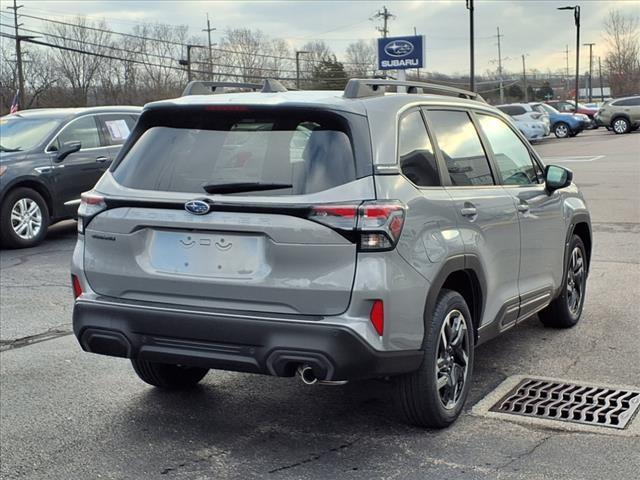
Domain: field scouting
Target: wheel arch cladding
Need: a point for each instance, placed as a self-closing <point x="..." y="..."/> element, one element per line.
<point x="584" y="232"/>
<point x="463" y="275"/>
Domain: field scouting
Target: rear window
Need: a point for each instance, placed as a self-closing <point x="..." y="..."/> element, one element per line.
<point x="290" y="152"/>
<point x="513" y="110"/>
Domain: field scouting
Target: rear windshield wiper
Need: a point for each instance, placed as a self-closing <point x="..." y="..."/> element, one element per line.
<point x="242" y="187"/>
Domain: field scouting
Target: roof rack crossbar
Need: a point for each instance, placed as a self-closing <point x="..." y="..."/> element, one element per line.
<point x="369" y="87"/>
<point x="200" y="87"/>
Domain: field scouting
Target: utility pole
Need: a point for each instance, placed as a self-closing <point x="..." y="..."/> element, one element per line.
<point x="209" y="30"/>
<point x="472" y="73"/>
<point x="566" y="52"/>
<point x="18" y="55"/>
<point x="500" y="67"/>
<point x="524" y="78"/>
<point x="600" y="76"/>
<point x="385" y="15"/>
<point x="590" y="45"/>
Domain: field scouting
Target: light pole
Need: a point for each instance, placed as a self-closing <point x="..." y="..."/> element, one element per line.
<point x="576" y="17"/>
<point x="472" y="75"/>
<point x="524" y="77"/>
<point x="298" y="52"/>
<point x="590" y="45"/>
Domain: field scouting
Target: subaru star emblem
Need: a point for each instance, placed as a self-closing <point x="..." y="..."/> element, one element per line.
<point x="398" y="48"/>
<point x="197" y="207"/>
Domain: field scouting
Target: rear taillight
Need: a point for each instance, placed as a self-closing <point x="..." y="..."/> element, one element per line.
<point x="90" y="205"/>
<point x="77" y="288"/>
<point x="379" y="224"/>
<point x="377" y="316"/>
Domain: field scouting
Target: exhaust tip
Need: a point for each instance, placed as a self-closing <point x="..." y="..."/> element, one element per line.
<point x="306" y="375"/>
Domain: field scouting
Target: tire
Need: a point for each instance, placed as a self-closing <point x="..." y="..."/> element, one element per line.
<point x="416" y="394"/>
<point x="164" y="375"/>
<point x="561" y="130"/>
<point x="24" y="219"/>
<point x="621" y="125"/>
<point x="565" y="310"/>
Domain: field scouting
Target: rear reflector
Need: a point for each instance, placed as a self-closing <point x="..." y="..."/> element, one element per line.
<point x="377" y="316"/>
<point x="77" y="288"/>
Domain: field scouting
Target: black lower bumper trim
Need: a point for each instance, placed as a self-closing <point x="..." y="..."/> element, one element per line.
<point x="230" y="343"/>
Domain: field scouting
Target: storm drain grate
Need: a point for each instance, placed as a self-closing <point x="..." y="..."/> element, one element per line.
<point x="570" y="402"/>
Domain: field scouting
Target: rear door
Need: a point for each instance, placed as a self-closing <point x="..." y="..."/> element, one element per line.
<point x="540" y="215"/>
<point x="486" y="213"/>
<point x="79" y="171"/>
<point x="264" y="244"/>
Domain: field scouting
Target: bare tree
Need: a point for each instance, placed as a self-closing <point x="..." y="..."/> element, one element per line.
<point x="317" y="52"/>
<point x="361" y="58"/>
<point x="623" y="59"/>
<point x="79" y="69"/>
<point x="246" y="48"/>
<point x="160" y="46"/>
<point x="280" y="64"/>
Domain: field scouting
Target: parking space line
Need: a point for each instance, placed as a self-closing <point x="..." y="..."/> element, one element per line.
<point x="573" y="158"/>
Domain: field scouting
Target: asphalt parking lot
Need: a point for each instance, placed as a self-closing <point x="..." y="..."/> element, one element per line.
<point x="66" y="414"/>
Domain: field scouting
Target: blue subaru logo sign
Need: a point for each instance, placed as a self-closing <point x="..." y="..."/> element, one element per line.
<point x="401" y="53"/>
<point x="398" y="48"/>
<point x="197" y="207"/>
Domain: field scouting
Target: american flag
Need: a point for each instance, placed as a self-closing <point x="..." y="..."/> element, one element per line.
<point x="15" y="103"/>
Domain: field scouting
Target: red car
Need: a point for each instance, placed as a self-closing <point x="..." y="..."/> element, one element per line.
<point x="568" y="106"/>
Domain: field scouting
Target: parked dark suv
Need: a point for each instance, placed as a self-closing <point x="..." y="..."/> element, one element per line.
<point x="48" y="157"/>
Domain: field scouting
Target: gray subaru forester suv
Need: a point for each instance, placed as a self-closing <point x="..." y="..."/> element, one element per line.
<point x="336" y="235"/>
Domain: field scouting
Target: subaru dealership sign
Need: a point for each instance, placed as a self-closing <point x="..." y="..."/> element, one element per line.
<point x="399" y="53"/>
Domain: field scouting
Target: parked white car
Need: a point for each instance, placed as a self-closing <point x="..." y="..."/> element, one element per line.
<point x="532" y="129"/>
<point x="524" y="112"/>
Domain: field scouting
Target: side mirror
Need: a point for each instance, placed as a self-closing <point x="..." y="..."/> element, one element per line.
<point x="557" y="177"/>
<point x="67" y="149"/>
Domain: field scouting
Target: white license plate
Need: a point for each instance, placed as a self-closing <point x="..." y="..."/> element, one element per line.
<point x="207" y="254"/>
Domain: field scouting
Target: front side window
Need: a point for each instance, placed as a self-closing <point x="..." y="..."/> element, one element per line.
<point x="460" y="145"/>
<point x="83" y="130"/>
<point x="511" y="155"/>
<point x="417" y="160"/>
<point x="241" y="153"/>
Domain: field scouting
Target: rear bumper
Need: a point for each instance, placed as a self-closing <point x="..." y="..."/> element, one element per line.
<point x="236" y="342"/>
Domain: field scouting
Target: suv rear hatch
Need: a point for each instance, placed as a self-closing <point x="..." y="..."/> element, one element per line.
<point x="233" y="207"/>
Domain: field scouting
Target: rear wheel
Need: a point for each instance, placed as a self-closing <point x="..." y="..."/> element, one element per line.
<point x="433" y="395"/>
<point x="565" y="310"/>
<point x="621" y="125"/>
<point x="561" y="130"/>
<point x="24" y="218"/>
<point x="164" y="375"/>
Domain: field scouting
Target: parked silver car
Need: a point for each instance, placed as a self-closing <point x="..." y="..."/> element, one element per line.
<point x="340" y="235"/>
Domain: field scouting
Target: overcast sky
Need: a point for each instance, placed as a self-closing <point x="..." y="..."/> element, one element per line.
<point x="529" y="26"/>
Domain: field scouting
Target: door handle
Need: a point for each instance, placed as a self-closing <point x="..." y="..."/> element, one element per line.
<point x="469" y="211"/>
<point x="523" y="208"/>
<point x="102" y="159"/>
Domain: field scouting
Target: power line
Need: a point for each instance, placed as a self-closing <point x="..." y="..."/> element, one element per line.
<point x="170" y="42"/>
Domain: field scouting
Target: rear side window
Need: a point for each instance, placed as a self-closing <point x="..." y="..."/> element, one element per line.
<point x="460" y="145"/>
<point x="292" y="153"/>
<point x="627" y="102"/>
<point x="116" y="127"/>
<point x="417" y="160"/>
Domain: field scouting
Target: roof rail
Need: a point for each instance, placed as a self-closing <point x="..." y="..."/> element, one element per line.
<point x="370" y="87"/>
<point x="199" y="87"/>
